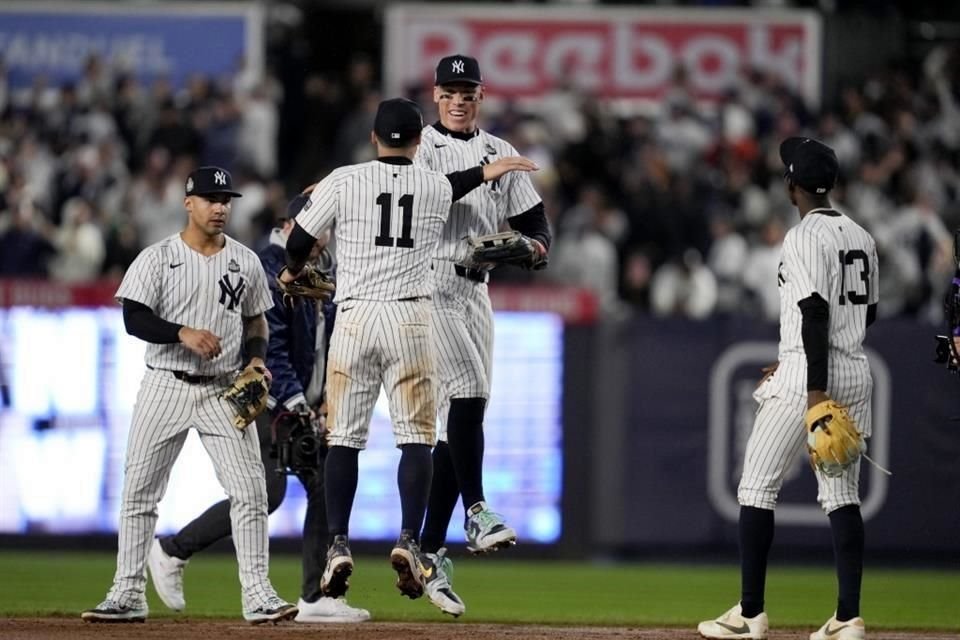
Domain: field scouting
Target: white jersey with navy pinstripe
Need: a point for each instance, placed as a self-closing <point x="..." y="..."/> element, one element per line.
<point x="830" y="255"/>
<point x="481" y="211"/>
<point x="212" y="292"/>
<point x="462" y="313"/>
<point x="388" y="221"/>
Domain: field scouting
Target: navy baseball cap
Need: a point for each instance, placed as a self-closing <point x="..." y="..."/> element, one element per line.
<point x="398" y="122"/>
<point x="810" y="164"/>
<point x="458" y="69"/>
<point x="210" y="180"/>
<point x="296" y="205"/>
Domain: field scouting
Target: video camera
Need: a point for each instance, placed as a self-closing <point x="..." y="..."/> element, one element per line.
<point x="298" y="442"/>
<point x="945" y="354"/>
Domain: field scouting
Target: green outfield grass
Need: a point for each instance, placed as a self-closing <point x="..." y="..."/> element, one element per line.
<point x="500" y="590"/>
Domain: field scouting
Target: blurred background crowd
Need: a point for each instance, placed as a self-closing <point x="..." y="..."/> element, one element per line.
<point x="676" y="208"/>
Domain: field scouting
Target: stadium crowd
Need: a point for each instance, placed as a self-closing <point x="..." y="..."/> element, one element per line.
<point x="679" y="210"/>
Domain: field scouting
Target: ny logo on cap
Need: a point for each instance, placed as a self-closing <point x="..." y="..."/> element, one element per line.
<point x="220" y="177"/>
<point x="458" y="66"/>
<point x="189" y="185"/>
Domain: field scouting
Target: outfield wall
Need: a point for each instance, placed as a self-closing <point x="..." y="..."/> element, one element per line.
<point x="602" y="437"/>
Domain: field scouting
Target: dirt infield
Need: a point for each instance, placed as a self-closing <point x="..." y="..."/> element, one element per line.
<point x="66" y="628"/>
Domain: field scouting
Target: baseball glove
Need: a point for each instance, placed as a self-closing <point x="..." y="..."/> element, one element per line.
<point x="509" y="247"/>
<point x="311" y="283"/>
<point x="248" y="395"/>
<point x="833" y="440"/>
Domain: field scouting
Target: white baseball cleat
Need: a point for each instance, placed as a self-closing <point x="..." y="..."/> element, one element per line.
<point x="833" y="629"/>
<point x="329" y="610"/>
<point x="732" y="624"/>
<point x="439" y="586"/>
<point x="486" y="530"/>
<point x="167" y="575"/>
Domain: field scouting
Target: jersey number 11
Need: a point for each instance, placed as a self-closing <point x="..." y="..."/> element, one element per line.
<point x="384" y="239"/>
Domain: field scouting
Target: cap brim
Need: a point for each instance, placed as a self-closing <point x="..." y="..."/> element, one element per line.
<point x="232" y="194"/>
<point x="458" y="81"/>
<point x="788" y="148"/>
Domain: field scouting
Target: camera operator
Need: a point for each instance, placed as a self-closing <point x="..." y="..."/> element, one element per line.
<point x="948" y="346"/>
<point x="296" y="356"/>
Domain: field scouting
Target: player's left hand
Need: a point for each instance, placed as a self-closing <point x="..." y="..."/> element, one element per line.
<point x="248" y="393"/>
<point x="498" y="168"/>
<point x="816" y="397"/>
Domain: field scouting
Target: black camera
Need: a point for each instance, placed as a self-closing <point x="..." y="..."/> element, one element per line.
<point x="297" y="443"/>
<point x="945" y="353"/>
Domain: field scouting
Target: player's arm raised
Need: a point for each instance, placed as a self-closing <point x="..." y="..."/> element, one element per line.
<point x="463" y="182"/>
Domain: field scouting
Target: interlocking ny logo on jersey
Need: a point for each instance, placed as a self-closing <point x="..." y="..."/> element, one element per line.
<point x="220" y="178"/>
<point x="230" y="294"/>
<point x="458" y="66"/>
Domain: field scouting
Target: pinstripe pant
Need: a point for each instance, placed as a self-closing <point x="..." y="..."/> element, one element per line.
<point x="779" y="434"/>
<point x="165" y="409"/>
<point x="381" y="343"/>
<point x="463" y="338"/>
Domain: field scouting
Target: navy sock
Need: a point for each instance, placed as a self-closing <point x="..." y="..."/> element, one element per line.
<point x="465" y="436"/>
<point x="756" y="536"/>
<point x="413" y="481"/>
<point x="846" y="524"/>
<point x="340" y="480"/>
<point x="444" y="492"/>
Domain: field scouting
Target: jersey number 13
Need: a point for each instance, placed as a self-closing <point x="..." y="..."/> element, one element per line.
<point x="858" y="259"/>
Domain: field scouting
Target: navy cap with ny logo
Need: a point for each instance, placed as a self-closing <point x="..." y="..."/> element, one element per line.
<point x="458" y="68"/>
<point x="210" y="180"/>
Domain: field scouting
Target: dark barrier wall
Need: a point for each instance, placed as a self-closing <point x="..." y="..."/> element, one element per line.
<point x="672" y="411"/>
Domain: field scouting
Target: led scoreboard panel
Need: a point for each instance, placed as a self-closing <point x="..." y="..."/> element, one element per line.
<point x="71" y="378"/>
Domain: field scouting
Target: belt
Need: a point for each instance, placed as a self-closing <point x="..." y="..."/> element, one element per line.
<point x="477" y="275"/>
<point x="186" y="377"/>
<point x="413" y="298"/>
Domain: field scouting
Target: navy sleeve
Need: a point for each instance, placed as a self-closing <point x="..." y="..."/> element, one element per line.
<point x="533" y="223"/>
<point x="141" y="322"/>
<point x="815" y="331"/>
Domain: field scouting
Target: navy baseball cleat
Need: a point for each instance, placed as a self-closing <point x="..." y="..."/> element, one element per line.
<point x="413" y="567"/>
<point x="336" y="575"/>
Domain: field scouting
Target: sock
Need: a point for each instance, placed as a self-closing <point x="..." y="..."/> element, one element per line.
<point x="444" y="492"/>
<point x="465" y="436"/>
<point x="413" y="480"/>
<point x="340" y="479"/>
<point x="756" y="536"/>
<point x="846" y="525"/>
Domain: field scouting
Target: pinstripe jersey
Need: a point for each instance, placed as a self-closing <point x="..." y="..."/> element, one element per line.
<point x="829" y="254"/>
<point x="213" y="292"/>
<point x="481" y="211"/>
<point x="388" y="221"/>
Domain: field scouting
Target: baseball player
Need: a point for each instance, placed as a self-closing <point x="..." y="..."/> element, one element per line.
<point x="197" y="298"/>
<point x="463" y="316"/>
<point x="828" y="298"/>
<point x="389" y="214"/>
<point x="296" y="356"/>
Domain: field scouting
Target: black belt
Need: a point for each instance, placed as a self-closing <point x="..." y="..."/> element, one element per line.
<point x="187" y="377"/>
<point x="413" y="298"/>
<point x="477" y="275"/>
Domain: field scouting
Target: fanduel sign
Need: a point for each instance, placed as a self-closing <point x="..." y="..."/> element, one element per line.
<point x="150" y="40"/>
